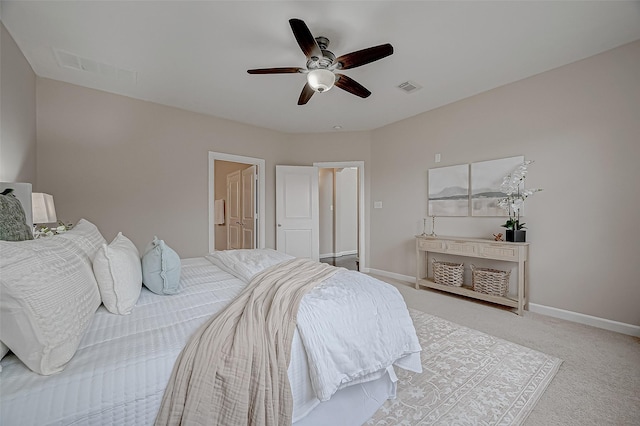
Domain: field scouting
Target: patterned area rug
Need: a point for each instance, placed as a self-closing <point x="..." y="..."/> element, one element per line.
<point x="468" y="378"/>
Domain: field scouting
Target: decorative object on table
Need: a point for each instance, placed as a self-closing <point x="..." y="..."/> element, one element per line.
<point x="498" y="237"/>
<point x="486" y="181"/>
<point x="433" y="227"/>
<point x="514" y="235"/>
<point x="449" y="191"/>
<point x="448" y="273"/>
<point x="490" y="281"/>
<point x="424" y="228"/>
<point x="513" y="201"/>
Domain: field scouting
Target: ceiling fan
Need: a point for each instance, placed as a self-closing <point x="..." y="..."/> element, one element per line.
<point x="322" y="64"/>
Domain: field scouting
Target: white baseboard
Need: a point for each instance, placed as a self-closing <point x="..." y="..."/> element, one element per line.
<point x="606" y="324"/>
<point x="399" y="277"/>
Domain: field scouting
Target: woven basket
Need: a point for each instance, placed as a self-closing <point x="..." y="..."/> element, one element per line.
<point x="490" y="281"/>
<point x="447" y="273"/>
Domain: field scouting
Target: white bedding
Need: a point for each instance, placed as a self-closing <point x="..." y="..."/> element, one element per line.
<point x="245" y="263"/>
<point x="119" y="373"/>
<point x="353" y="327"/>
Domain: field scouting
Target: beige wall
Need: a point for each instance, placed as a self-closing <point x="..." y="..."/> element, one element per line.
<point x="138" y="167"/>
<point x="581" y="125"/>
<point x="17" y="114"/>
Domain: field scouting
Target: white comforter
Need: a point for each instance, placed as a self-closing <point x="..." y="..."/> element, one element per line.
<point x="352" y="326"/>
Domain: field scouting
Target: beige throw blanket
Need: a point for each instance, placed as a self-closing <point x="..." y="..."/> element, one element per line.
<point x="233" y="370"/>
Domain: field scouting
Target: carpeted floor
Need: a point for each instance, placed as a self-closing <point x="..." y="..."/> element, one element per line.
<point x="468" y="377"/>
<point x="598" y="382"/>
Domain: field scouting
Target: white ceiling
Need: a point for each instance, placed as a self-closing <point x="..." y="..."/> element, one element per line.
<point x="194" y="55"/>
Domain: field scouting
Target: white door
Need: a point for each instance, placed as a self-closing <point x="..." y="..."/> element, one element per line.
<point x="249" y="216"/>
<point x="297" y="216"/>
<point x="234" y="211"/>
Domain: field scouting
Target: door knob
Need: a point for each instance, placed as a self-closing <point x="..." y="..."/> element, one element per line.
<point x="279" y="224"/>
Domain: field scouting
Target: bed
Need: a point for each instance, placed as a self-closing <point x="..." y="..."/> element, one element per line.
<point x="122" y="364"/>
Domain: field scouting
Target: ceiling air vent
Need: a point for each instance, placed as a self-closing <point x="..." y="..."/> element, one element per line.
<point x="70" y="60"/>
<point x="409" y="87"/>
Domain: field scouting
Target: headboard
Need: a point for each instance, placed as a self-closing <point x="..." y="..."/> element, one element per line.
<point x="22" y="191"/>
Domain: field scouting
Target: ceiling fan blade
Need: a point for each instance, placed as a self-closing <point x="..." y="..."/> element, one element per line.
<point x="305" y="95"/>
<point x="305" y="39"/>
<point x="351" y="86"/>
<point x="364" y="56"/>
<point x="284" y="70"/>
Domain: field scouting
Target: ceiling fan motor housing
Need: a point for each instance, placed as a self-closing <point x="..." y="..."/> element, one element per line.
<point x="326" y="61"/>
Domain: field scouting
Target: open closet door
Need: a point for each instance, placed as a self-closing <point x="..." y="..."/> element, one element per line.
<point x="297" y="214"/>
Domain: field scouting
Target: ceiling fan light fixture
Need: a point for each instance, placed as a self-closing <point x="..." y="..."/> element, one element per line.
<point x="321" y="79"/>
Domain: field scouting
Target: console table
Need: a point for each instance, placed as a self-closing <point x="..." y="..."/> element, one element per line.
<point x="479" y="248"/>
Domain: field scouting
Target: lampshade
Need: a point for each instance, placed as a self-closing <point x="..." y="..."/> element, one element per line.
<point x="321" y="79"/>
<point x="43" y="209"/>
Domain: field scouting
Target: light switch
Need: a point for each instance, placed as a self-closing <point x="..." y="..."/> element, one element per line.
<point x="438" y="158"/>
<point x="377" y="204"/>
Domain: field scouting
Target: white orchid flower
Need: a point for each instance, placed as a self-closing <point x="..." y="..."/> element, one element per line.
<point x="517" y="205"/>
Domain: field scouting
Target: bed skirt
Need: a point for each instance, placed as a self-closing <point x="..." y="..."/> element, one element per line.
<point x="353" y="405"/>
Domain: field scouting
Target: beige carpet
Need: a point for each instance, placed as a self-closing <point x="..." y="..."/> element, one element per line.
<point x="468" y="378"/>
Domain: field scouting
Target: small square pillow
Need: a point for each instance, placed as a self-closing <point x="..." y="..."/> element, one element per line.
<point x="13" y="221"/>
<point x="119" y="274"/>
<point x="160" y="268"/>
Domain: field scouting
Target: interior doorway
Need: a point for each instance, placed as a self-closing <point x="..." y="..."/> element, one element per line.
<point x="221" y="165"/>
<point x="342" y="213"/>
<point x="235" y="205"/>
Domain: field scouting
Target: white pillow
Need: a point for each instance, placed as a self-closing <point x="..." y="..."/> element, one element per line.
<point x="49" y="297"/>
<point x="86" y="236"/>
<point x="245" y="263"/>
<point x="119" y="274"/>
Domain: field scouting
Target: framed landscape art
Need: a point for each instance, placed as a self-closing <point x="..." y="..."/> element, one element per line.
<point x="486" y="179"/>
<point x="449" y="191"/>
